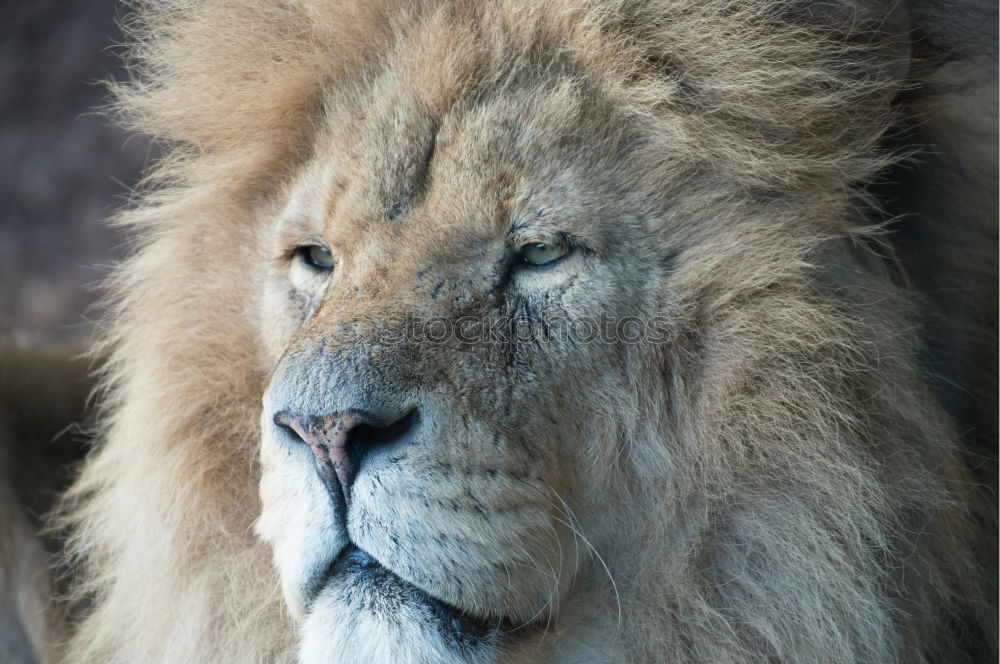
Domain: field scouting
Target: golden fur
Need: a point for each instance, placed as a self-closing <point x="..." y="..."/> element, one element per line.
<point x="770" y="481"/>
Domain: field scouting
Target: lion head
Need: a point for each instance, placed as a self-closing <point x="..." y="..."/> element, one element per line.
<point x="517" y="332"/>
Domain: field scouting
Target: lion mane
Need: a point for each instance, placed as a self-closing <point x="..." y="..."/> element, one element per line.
<point x="787" y="487"/>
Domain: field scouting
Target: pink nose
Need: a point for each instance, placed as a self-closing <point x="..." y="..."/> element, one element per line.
<point x="329" y="437"/>
<point x="341" y="440"/>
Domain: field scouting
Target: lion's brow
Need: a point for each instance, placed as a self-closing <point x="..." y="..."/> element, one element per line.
<point x="414" y="176"/>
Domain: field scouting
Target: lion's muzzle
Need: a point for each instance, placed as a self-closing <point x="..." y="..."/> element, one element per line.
<point x="404" y="449"/>
<point x="341" y="440"/>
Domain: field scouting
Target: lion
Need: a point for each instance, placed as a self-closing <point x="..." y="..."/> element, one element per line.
<point x="553" y="331"/>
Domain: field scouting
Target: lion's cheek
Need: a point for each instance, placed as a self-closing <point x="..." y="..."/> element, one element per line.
<point x="492" y="560"/>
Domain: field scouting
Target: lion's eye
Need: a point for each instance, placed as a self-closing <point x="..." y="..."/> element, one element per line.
<point x="540" y="253"/>
<point x="315" y="256"/>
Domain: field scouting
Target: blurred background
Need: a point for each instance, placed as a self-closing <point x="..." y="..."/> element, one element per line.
<point x="64" y="167"/>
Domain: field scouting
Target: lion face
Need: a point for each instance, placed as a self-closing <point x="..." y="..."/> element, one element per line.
<point x="457" y="297"/>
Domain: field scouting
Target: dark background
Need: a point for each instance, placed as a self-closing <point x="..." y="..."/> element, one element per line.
<point x="64" y="169"/>
<point x="64" y="166"/>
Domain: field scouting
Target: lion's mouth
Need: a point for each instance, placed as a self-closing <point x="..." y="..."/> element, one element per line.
<point x="379" y="590"/>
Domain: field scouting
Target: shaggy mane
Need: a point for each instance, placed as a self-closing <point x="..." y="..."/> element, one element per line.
<point x="781" y="108"/>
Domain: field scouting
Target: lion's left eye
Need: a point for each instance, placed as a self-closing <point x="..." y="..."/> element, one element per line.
<point x="315" y="256"/>
<point x="542" y="253"/>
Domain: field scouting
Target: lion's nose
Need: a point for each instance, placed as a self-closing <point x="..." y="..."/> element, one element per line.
<point x="342" y="440"/>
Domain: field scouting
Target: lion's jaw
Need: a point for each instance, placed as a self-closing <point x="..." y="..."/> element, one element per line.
<point x="492" y="505"/>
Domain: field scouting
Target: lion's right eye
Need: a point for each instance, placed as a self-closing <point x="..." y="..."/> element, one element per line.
<point x="541" y="254"/>
<point x="315" y="256"/>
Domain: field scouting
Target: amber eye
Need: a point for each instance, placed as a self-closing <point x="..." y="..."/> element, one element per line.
<point x="315" y="256"/>
<point x="541" y="253"/>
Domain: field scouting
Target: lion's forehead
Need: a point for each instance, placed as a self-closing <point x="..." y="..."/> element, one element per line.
<point x="389" y="161"/>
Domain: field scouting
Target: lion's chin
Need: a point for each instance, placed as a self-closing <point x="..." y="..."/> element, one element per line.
<point x="365" y="612"/>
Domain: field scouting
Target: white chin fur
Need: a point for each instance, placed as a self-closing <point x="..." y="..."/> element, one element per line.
<point x="340" y="631"/>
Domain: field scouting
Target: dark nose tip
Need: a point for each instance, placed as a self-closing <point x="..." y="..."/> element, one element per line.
<point x="342" y="440"/>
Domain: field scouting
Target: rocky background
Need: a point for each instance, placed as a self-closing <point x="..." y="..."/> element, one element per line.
<point x="64" y="167"/>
